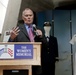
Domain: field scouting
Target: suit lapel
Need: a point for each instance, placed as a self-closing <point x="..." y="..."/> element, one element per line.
<point x="23" y="29"/>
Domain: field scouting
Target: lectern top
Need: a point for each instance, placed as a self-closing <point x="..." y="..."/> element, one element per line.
<point x="20" y="42"/>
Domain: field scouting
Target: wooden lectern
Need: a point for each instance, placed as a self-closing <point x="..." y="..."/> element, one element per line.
<point x="8" y="63"/>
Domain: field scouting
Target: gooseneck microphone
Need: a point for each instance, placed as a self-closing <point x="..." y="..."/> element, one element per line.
<point x="34" y="27"/>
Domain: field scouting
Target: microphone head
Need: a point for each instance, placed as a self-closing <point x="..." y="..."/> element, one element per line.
<point x="34" y="26"/>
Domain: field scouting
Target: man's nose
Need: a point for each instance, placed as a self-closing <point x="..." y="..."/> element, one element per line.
<point x="29" y="17"/>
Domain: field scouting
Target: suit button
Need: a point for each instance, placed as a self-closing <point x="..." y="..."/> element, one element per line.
<point x="48" y="52"/>
<point x="48" y="48"/>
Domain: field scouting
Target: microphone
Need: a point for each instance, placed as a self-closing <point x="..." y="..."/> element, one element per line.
<point x="34" y="27"/>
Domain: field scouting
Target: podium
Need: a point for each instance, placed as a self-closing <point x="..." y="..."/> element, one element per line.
<point x="19" y="55"/>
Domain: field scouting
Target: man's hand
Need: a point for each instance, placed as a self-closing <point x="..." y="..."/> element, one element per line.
<point x="14" y="32"/>
<point x="39" y="32"/>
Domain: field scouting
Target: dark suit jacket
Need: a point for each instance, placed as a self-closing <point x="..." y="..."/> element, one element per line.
<point x="24" y="37"/>
<point x="50" y="51"/>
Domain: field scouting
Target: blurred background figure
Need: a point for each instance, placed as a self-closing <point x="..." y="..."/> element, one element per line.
<point x="50" y="51"/>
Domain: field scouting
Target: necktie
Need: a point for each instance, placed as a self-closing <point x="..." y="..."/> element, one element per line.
<point x="31" y="36"/>
<point x="47" y="39"/>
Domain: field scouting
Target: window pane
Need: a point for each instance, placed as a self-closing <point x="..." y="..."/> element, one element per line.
<point x="3" y="7"/>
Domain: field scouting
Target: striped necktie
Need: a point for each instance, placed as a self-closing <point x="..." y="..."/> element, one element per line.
<point x="31" y="36"/>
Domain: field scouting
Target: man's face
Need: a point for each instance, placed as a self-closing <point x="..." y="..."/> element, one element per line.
<point x="28" y="16"/>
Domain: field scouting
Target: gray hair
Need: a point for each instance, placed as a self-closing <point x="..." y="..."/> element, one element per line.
<point x="26" y="9"/>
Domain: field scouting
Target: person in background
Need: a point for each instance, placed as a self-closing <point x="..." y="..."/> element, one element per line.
<point x="25" y="32"/>
<point x="50" y="51"/>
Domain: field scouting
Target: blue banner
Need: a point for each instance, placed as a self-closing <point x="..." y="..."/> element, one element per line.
<point x="23" y="51"/>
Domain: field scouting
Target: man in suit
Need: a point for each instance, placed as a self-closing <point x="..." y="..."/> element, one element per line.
<point x="21" y="32"/>
<point x="50" y="52"/>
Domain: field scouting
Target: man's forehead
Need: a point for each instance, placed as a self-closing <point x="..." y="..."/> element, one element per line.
<point x="27" y="10"/>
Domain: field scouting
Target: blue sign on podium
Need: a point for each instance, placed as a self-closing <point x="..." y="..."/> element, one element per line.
<point x="16" y="51"/>
<point x="23" y="51"/>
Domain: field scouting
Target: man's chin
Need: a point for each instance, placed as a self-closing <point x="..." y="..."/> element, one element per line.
<point x="29" y="23"/>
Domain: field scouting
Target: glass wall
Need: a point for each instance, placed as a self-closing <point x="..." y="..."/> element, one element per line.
<point x="3" y="8"/>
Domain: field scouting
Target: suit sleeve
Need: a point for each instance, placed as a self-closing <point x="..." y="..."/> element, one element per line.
<point x="56" y="48"/>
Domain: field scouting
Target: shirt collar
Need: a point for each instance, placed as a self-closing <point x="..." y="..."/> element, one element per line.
<point x="27" y="26"/>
